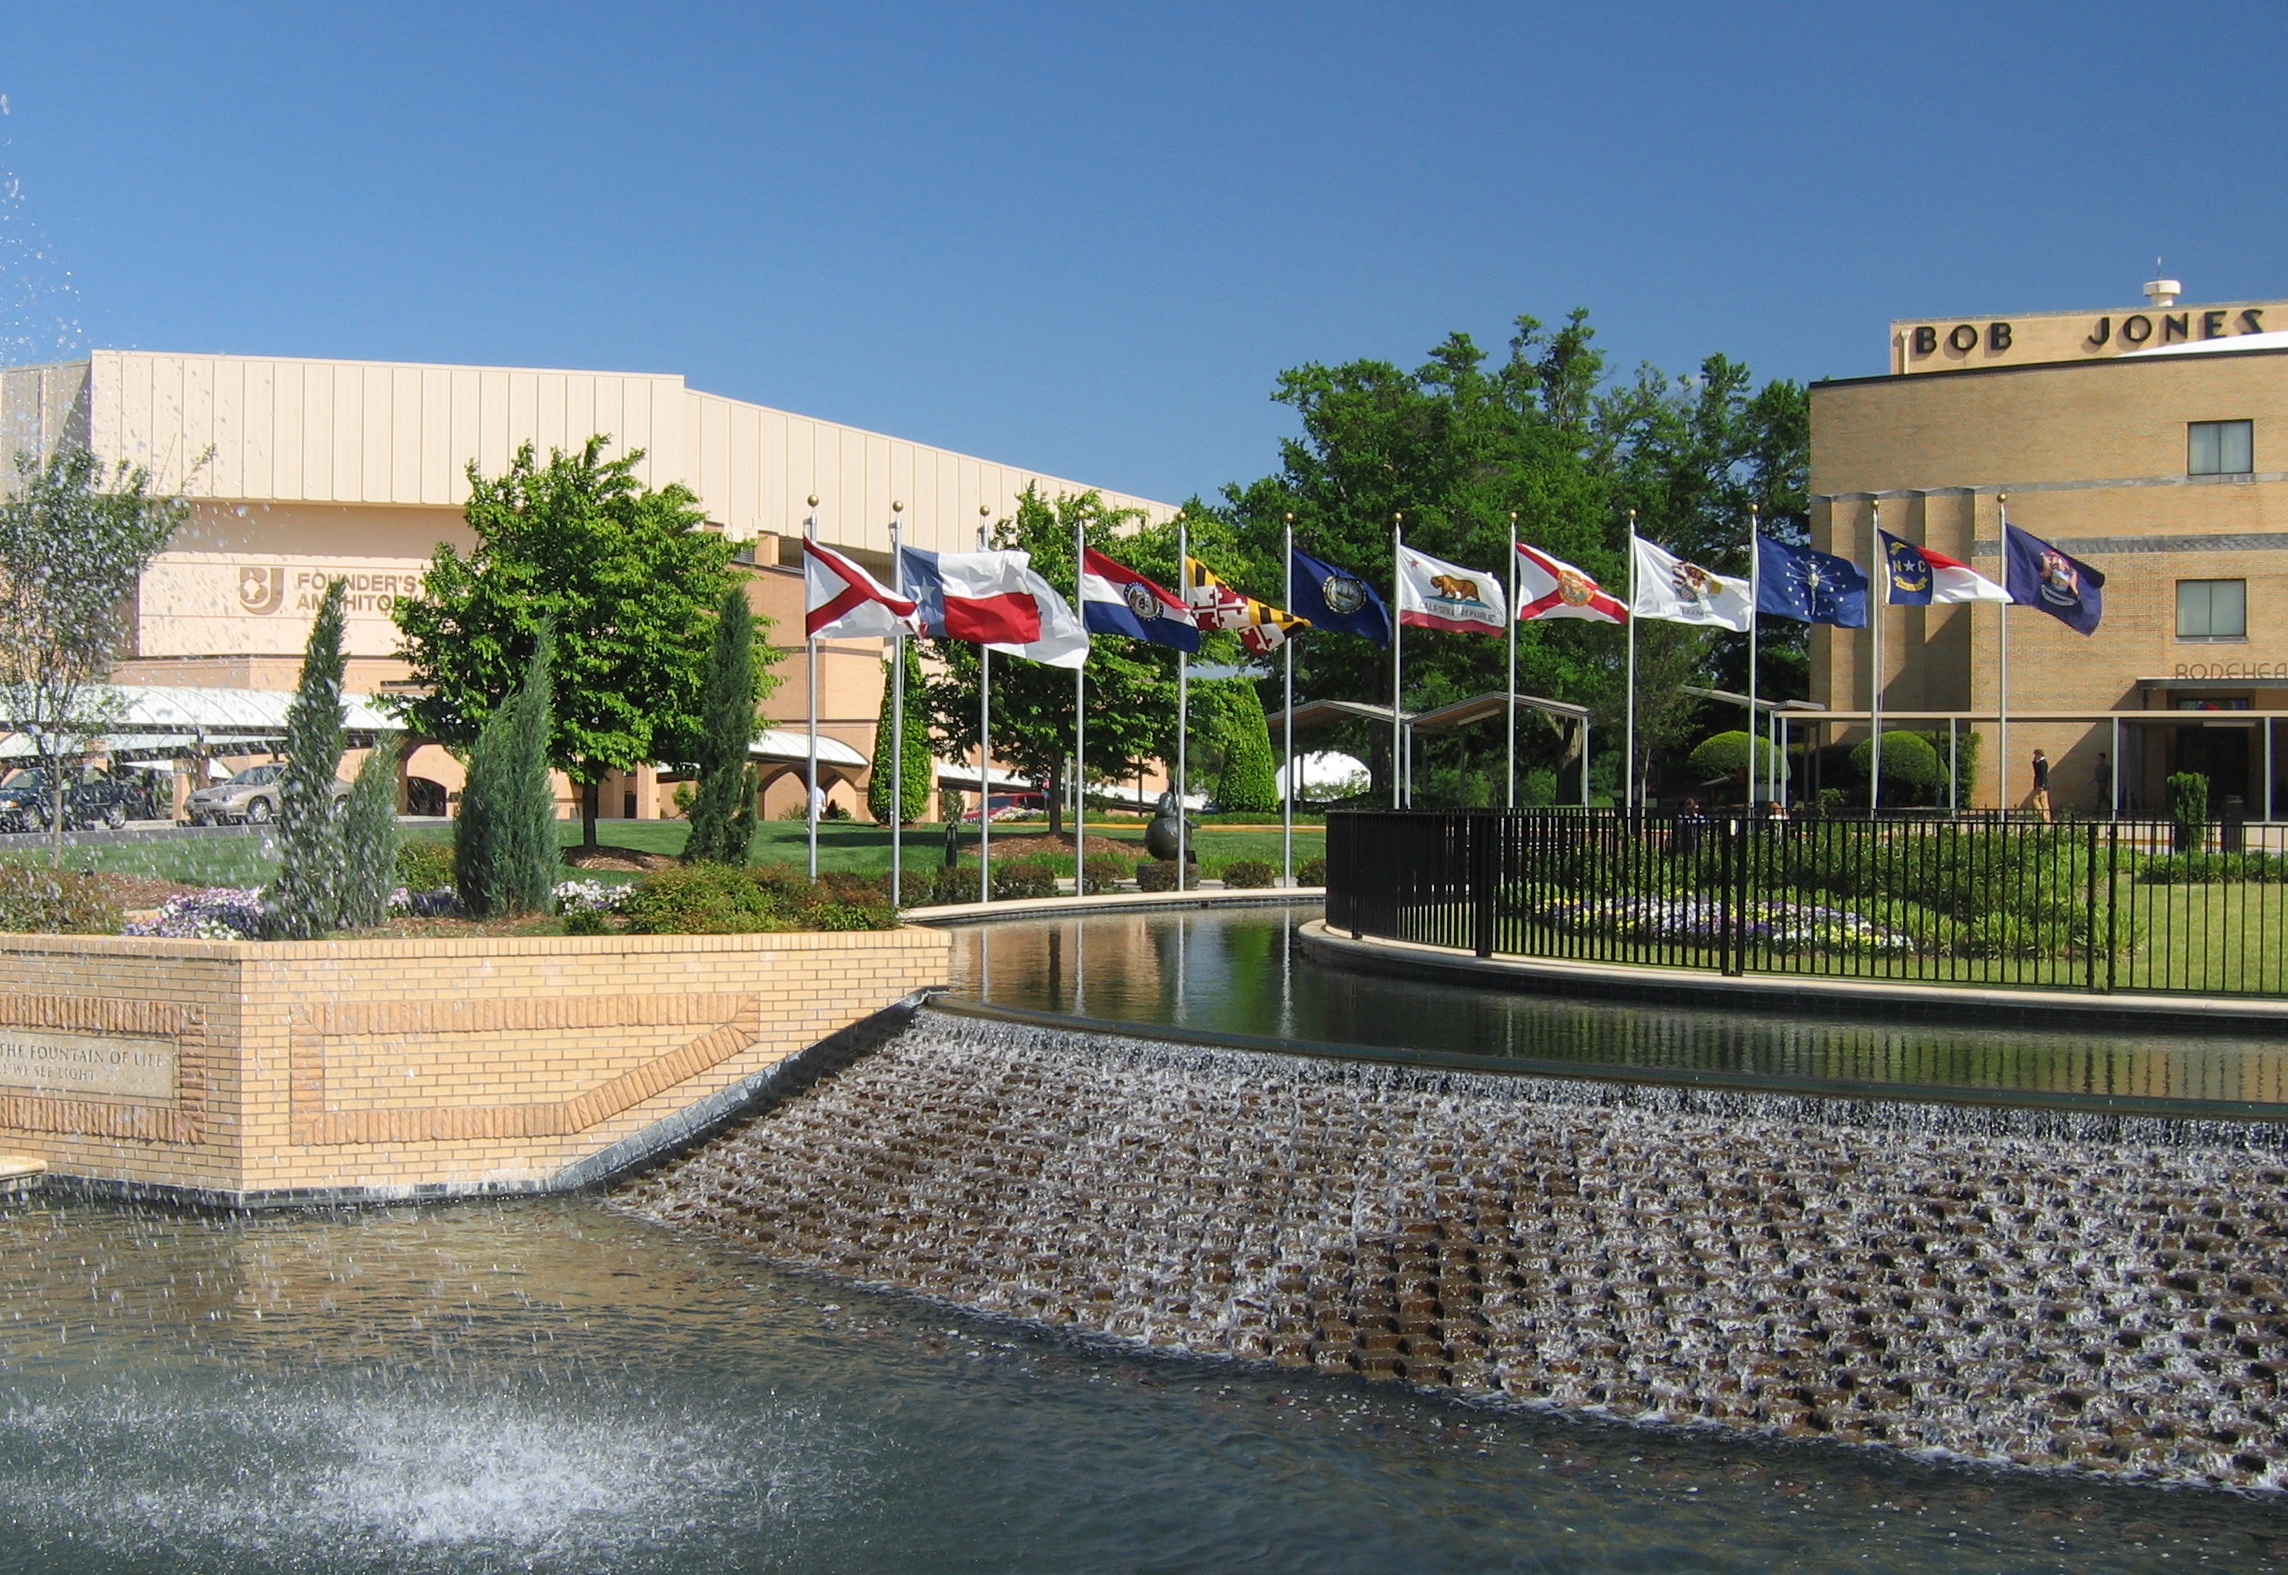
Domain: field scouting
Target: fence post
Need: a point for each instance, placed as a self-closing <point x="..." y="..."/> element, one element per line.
<point x="2112" y="897"/>
<point x="1736" y="892"/>
<point x="1483" y="876"/>
<point x="2089" y="910"/>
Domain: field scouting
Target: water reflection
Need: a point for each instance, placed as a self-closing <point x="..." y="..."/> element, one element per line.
<point x="1244" y="972"/>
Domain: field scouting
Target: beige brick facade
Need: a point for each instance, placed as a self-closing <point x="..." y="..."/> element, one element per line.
<point x="389" y="1066"/>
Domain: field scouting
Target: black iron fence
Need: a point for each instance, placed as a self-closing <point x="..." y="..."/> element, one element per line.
<point x="2117" y="905"/>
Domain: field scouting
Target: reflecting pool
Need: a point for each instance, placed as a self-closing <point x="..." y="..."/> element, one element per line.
<point x="1242" y="971"/>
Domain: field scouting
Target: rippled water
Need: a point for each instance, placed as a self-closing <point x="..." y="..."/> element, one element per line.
<point x="548" y="1386"/>
<point x="1243" y="972"/>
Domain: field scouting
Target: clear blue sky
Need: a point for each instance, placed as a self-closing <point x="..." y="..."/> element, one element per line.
<point x="1087" y="238"/>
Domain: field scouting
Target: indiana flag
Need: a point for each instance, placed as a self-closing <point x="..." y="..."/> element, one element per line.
<point x="1809" y="586"/>
<point x="1552" y="588"/>
<point x="1916" y="577"/>
<point x="983" y="597"/>
<point x="1115" y="599"/>
<point x="1262" y="628"/>
<point x="1435" y="594"/>
<point x="839" y="597"/>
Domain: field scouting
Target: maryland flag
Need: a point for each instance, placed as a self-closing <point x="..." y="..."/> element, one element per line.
<point x="1215" y="605"/>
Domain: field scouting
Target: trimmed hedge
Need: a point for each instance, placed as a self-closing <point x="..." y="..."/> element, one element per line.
<point x="40" y="901"/>
<point x="1312" y="871"/>
<point x="1248" y="875"/>
<point x="1157" y="875"/>
<point x="724" y="899"/>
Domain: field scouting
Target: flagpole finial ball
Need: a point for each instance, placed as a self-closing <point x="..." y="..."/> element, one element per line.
<point x="814" y="500"/>
<point x="896" y="507"/>
<point x="1290" y="519"/>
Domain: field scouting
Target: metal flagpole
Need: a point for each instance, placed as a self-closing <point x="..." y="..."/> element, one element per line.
<point x="1183" y="713"/>
<point x="810" y="801"/>
<point x="1756" y="761"/>
<point x="897" y="719"/>
<point x="1875" y="662"/>
<point x="1397" y="664"/>
<point x="1080" y="713"/>
<point x="984" y="746"/>
<point x="1511" y="800"/>
<point x="2002" y="669"/>
<point x="1287" y="799"/>
<point x="1629" y="748"/>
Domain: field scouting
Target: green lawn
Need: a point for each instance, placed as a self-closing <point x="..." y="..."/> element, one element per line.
<point x="197" y="861"/>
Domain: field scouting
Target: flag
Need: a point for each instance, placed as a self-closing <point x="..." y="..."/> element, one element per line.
<point x="1808" y="586"/>
<point x="1916" y="576"/>
<point x="1674" y="591"/>
<point x="1435" y="594"/>
<point x="1115" y="599"/>
<point x="977" y="596"/>
<point x="1552" y="588"/>
<point x="1061" y="642"/>
<point x="1215" y="605"/>
<point x="839" y="597"/>
<point x="2039" y="575"/>
<point x="1333" y="598"/>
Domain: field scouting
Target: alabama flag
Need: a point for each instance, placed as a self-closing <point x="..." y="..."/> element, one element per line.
<point x="984" y="597"/>
<point x="840" y="597"/>
<point x="1552" y="588"/>
<point x="1435" y="594"/>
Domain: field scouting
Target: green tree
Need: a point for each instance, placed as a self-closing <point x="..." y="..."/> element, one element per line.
<point x="1131" y="685"/>
<point x="921" y="770"/>
<point x="505" y="853"/>
<point x="74" y="540"/>
<point x="1248" y="776"/>
<point x="306" y="900"/>
<point x="627" y="576"/>
<point x="723" y="810"/>
<point x="370" y="837"/>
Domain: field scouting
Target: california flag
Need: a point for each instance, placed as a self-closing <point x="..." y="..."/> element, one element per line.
<point x="1674" y="591"/>
<point x="1552" y="588"/>
<point x="1435" y="594"/>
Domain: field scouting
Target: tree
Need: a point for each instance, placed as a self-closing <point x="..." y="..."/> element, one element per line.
<point x="723" y="810"/>
<point x="1248" y="778"/>
<point x="370" y="836"/>
<point x="629" y="579"/>
<point x="1131" y="685"/>
<point x="74" y="541"/>
<point x="920" y="768"/>
<point x="306" y="900"/>
<point x="505" y="854"/>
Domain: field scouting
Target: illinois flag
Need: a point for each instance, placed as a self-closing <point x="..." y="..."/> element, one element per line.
<point x="1552" y="588"/>
<point x="1435" y="594"/>
<point x="1262" y="628"/>
<point x="1674" y="591"/>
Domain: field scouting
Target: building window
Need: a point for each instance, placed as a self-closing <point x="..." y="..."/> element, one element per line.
<point x="2220" y="448"/>
<point x="2212" y="609"/>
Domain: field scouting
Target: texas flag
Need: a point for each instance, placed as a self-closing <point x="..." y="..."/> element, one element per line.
<point x="1916" y="576"/>
<point x="984" y="597"/>
<point x="840" y="597"/>
<point x="1550" y="587"/>
<point x="1115" y="599"/>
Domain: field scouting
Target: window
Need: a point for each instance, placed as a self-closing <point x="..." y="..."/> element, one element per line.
<point x="2220" y="448"/>
<point x="2212" y="609"/>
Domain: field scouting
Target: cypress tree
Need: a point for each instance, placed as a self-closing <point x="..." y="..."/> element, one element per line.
<point x="1250" y="776"/>
<point x="505" y="852"/>
<point x="921" y="772"/>
<point x="370" y="836"/>
<point x="723" y="810"/>
<point x="306" y="900"/>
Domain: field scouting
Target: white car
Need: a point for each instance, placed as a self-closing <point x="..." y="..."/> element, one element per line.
<point x="250" y="798"/>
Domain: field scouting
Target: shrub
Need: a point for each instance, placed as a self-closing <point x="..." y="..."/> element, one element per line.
<point x="56" y="902"/>
<point x="1911" y="767"/>
<point x="1726" y="755"/>
<point x="586" y="921"/>
<point x="723" y="809"/>
<point x="1312" y="871"/>
<point x="2189" y="808"/>
<point x="1156" y="875"/>
<point x="1249" y="779"/>
<point x="370" y="838"/>
<point x="1020" y="878"/>
<point x="1102" y="872"/>
<point x="505" y="849"/>
<point x="307" y="899"/>
<point x="954" y="883"/>
<point x="724" y="899"/>
<point x="1249" y="874"/>
<point x="424" y="865"/>
<point x="2208" y="869"/>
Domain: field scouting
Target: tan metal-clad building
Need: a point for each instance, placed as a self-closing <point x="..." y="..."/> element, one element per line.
<point x="2150" y="442"/>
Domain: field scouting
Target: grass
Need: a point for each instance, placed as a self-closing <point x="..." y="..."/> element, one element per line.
<point x="195" y="861"/>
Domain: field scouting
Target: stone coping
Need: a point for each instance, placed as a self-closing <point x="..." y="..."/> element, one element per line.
<point x="410" y="946"/>
<point x="1112" y="902"/>
<point x="1894" y="998"/>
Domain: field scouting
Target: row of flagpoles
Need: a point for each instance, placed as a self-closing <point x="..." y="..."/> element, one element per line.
<point x="996" y="600"/>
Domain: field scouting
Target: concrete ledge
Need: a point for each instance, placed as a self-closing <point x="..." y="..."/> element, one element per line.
<point x="1111" y="902"/>
<point x="1765" y="992"/>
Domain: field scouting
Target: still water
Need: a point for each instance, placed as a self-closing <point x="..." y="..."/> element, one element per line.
<point x="548" y="1385"/>
<point x="1243" y="972"/>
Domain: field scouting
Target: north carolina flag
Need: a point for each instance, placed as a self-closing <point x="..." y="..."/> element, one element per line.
<point x="1916" y="576"/>
<point x="1215" y="605"/>
<point x="1115" y="599"/>
<point x="839" y="597"/>
<point x="1552" y="588"/>
<point x="983" y="597"/>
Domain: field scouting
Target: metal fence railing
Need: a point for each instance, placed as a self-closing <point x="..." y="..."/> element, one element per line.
<point x="2092" y="905"/>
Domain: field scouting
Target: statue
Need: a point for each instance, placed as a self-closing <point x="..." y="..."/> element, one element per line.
<point x="1160" y="835"/>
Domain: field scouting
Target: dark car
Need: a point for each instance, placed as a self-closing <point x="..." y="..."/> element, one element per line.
<point x="27" y="800"/>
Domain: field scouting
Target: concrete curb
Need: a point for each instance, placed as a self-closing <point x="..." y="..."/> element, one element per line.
<point x="1111" y="902"/>
<point x="2053" y="1009"/>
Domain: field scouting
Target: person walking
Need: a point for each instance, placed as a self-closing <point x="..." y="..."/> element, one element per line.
<point x="2103" y="777"/>
<point x="2039" y="800"/>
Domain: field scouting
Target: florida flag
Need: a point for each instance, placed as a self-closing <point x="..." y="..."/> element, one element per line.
<point x="978" y="596"/>
<point x="1916" y="576"/>
<point x="839" y="597"/>
<point x="1115" y="599"/>
<point x="1435" y="594"/>
<point x="1552" y="588"/>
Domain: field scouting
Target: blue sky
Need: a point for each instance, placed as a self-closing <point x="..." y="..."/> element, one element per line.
<point x="1087" y="238"/>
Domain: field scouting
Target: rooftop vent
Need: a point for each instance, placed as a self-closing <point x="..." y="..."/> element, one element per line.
<point x="2163" y="292"/>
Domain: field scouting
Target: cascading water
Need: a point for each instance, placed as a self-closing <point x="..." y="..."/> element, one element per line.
<point x="2053" y="1291"/>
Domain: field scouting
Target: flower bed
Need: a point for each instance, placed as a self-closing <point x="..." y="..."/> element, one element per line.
<point x="1777" y="924"/>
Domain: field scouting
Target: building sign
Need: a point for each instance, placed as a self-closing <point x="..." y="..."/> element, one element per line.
<point x="225" y="604"/>
<point x="2231" y="670"/>
<point x="1949" y="344"/>
<point x="88" y="1066"/>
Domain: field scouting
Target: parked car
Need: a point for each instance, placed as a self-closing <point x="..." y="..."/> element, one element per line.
<point x="250" y="798"/>
<point x="27" y="800"/>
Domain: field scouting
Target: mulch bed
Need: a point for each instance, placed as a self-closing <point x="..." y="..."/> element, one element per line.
<point x="135" y="892"/>
<point x="1016" y="846"/>
<point x="627" y="860"/>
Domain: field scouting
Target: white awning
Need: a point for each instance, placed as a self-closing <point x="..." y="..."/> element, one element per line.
<point x="787" y="744"/>
<point x="155" y="717"/>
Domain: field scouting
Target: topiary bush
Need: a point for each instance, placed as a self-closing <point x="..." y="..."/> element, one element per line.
<point x="1014" y="879"/>
<point x="1156" y="875"/>
<point x="1248" y="875"/>
<point x="1726" y="755"/>
<point x="1102" y="872"/>
<point x="1312" y="871"/>
<point x="2189" y="810"/>
<point x="725" y="899"/>
<point x="1912" y="770"/>
<point x="56" y="902"/>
